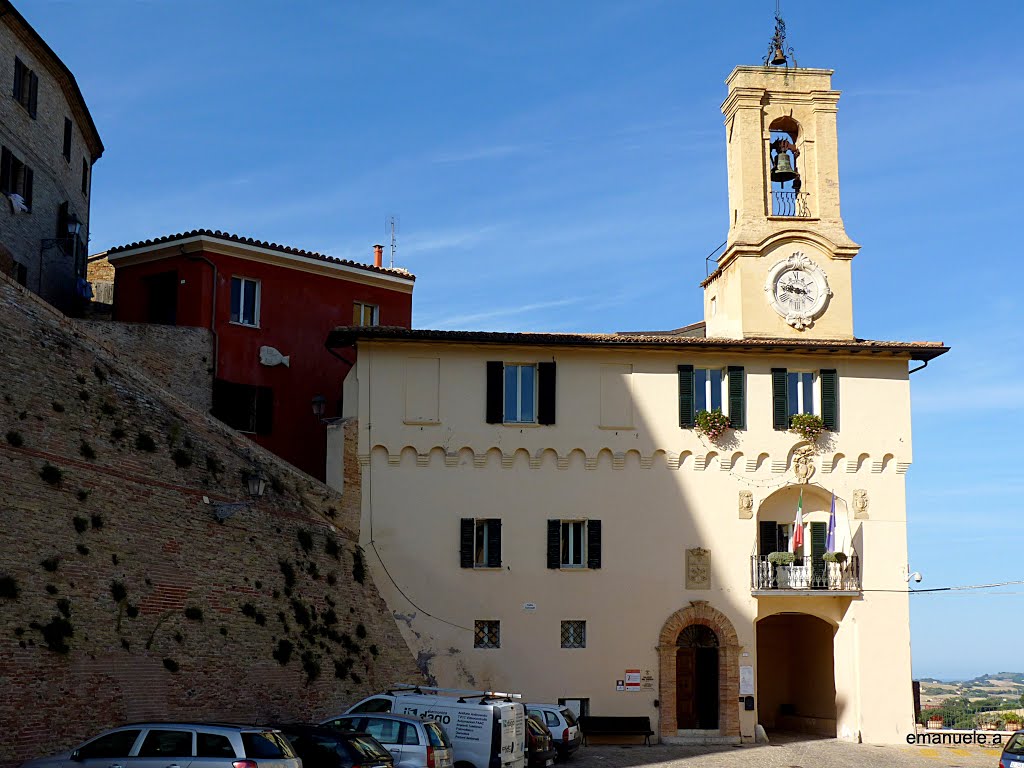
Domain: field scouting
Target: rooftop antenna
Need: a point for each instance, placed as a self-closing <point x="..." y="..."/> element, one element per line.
<point x="779" y="55"/>
<point x="391" y="225"/>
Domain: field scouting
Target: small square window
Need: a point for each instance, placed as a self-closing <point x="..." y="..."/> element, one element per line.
<point x="574" y="634"/>
<point x="245" y="301"/>
<point x="520" y="394"/>
<point x="365" y="314"/>
<point x="486" y="634"/>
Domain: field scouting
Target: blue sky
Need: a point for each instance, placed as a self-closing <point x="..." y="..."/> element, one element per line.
<point x="560" y="166"/>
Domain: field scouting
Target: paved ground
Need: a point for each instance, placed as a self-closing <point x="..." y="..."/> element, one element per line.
<point x="787" y="753"/>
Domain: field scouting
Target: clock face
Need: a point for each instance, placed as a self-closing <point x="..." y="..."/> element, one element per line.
<point x="798" y="290"/>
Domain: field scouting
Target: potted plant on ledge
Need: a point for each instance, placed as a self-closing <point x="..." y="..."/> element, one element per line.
<point x="834" y="568"/>
<point x="808" y="425"/>
<point x="1012" y="721"/>
<point x="782" y="562"/>
<point x="712" y="424"/>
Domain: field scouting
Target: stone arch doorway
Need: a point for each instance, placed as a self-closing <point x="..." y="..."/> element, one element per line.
<point x="699" y="628"/>
<point x="796" y="687"/>
<point x="697" y="678"/>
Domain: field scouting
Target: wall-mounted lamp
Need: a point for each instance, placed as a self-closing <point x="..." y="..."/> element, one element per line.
<point x="256" y="484"/>
<point x="319" y="404"/>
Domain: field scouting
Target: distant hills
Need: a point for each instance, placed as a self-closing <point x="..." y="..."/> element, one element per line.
<point x="995" y="688"/>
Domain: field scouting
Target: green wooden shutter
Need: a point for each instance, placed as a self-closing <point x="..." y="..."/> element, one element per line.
<point x="18" y="67"/>
<point x="830" y="399"/>
<point x="495" y="392"/>
<point x="494" y="544"/>
<point x="737" y="397"/>
<point x="6" y="163"/>
<point x="264" y="410"/>
<point x="554" y="543"/>
<point x="686" y="414"/>
<point x="818" y="533"/>
<point x="767" y="537"/>
<point x="593" y="543"/>
<point x="466" y="527"/>
<point x="545" y="393"/>
<point x="780" y="400"/>
<point x="33" y="94"/>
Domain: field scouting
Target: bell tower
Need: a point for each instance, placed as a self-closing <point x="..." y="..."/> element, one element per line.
<point x="785" y="271"/>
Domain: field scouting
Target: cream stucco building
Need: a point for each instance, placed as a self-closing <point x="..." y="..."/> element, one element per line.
<point x="543" y="513"/>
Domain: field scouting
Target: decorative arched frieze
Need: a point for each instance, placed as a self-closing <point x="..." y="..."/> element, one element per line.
<point x="702" y="613"/>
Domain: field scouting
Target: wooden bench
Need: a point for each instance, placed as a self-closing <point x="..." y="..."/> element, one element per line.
<point x="593" y="725"/>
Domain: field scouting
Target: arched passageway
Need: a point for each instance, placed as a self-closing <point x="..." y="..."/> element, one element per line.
<point x="796" y="688"/>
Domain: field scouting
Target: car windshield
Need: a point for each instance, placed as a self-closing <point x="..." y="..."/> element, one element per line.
<point x="368" y="748"/>
<point x="267" y="745"/>
<point x="570" y="718"/>
<point x="437" y="736"/>
<point x="1016" y="744"/>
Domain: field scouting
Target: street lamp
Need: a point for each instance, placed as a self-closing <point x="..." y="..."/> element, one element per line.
<point x="256" y="482"/>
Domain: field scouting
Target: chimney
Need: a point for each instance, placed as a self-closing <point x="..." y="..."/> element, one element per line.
<point x="378" y="255"/>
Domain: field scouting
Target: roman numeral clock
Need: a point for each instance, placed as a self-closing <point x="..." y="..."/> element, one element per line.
<point x="798" y="290"/>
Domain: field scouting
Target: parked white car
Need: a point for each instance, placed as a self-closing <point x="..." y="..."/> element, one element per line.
<point x="412" y="742"/>
<point x="561" y="721"/>
<point x="486" y="729"/>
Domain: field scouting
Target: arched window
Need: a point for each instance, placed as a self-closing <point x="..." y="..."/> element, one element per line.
<point x="786" y="183"/>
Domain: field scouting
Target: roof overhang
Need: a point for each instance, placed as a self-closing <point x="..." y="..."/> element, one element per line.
<point x="191" y="244"/>
<point x="918" y="350"/>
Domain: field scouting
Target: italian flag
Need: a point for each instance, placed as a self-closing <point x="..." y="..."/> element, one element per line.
<point x="797" y="541"/>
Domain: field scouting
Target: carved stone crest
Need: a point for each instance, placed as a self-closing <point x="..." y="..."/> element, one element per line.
<point x="803" y="464"/>
<point x="698" y="569"/>
<point x="860" y="504"/>
<point x="746" y="505"/>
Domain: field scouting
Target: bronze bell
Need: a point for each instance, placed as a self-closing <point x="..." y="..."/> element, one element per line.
<point x="782" y="168"/>
<point x="779" y="57"/>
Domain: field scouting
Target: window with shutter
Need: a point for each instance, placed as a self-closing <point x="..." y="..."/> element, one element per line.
<point x="66" y="151"/>
<point x="737" y="397"/>
<point x="594" y="544"/>
<point x="466" y="540"/>
<point x="686" y="410"/>
<point x="780" y="401"/>
<point x="495" y="390"/>
<point x="85" y="177"/>
<point x="546" y="393"/>
<point x="6" y="161"/>
<point x="819" y="531"/>
<point x="830" y="399"/>
<point x="554" y="543"/>
<point x="767" y="537"/>
<point x="33" y="94"/>
<point x="243" y="407"/>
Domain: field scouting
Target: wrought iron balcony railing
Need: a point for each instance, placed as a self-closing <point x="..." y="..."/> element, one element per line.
<point x="789" y="202"/>
<point x="805" y="574"/>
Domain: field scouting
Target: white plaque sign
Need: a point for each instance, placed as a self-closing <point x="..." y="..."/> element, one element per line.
<point x="746" y="681"/>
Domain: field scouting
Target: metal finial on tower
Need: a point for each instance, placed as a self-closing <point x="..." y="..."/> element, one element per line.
<point x="391" y="226"/>
<point x="779" y="55"/>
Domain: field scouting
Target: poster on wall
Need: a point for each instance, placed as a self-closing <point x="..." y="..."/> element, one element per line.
<point x="746" y="681"/>
<point x="620" y="685"/>
<point x="632" y="680"/>
<point x="647" y="681"/>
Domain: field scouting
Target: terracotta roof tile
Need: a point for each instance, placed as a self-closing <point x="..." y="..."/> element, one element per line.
<point x="229" y="237"/>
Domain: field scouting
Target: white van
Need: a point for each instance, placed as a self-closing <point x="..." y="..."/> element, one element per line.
<point x="487" y="729"/>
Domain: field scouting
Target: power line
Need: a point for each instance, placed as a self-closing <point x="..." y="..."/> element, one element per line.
<point x="962" y="588"/>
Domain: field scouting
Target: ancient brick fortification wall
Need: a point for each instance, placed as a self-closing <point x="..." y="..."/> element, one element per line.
<point x="122" y="597"/>
<point x="179" y="359"/>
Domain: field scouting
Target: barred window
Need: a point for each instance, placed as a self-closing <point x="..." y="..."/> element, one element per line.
<point x="486" y="634"/>
<point x="574" y="634"/>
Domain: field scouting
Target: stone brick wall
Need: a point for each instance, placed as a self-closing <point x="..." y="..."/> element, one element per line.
<point x="123" y="596"/>
<point x="178" y="358"/>
<point x="39" y="143"/>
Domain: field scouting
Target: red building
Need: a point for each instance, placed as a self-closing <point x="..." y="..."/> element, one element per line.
<point x="269" y="308"/>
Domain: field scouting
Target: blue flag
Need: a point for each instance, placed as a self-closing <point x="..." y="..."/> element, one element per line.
<point x="830" y="542"/>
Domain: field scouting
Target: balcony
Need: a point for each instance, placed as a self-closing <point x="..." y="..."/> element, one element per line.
<point x="789" y="202"/>
<point x="805" y="577"/>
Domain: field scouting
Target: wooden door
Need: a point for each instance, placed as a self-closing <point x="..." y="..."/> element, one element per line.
<point x="686" y="681"/>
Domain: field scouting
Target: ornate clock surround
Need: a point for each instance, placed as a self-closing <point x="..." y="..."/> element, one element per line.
<point x="803" y="319"/>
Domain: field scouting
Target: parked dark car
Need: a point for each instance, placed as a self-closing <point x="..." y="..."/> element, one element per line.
<point x="321" y="747"/>
<point x="1013" y="752"/>
<point x="540" y="744"/>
